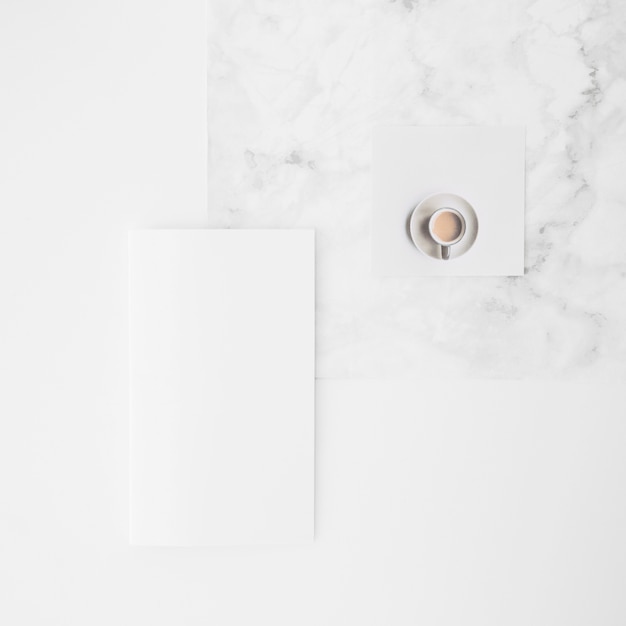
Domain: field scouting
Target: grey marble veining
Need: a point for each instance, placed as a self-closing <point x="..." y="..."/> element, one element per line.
<point x="294" y="91"/>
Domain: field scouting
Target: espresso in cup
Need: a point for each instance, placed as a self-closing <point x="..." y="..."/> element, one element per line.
<point x="447" y="227"/>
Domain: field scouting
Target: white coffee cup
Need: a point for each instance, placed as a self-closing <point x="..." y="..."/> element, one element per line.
<point x="446" y="226"/>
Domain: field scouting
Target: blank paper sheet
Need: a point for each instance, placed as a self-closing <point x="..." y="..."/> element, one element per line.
<point x="222" y="373"/>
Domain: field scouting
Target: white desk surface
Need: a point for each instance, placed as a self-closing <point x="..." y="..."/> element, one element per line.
<point x="103" y="120"/>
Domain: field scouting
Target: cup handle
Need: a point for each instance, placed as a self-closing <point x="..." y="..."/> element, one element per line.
<point x="445" y="252"/>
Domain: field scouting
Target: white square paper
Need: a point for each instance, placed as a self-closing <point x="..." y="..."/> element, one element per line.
<point x="483" y="165"/>
<point x="222" y="386"/>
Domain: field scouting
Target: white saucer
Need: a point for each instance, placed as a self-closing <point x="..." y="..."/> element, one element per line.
<point x="418" y="225"/>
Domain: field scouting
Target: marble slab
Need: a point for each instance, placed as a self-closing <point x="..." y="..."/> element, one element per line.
<point x="294" y="92"/>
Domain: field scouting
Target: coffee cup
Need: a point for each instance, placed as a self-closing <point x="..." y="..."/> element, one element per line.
<point x="446" y="226"/>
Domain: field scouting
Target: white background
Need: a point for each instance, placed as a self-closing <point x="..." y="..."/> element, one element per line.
<point x="102" y="128"/>
<point x="101" y="119"/>
<point x="426" y="513"/>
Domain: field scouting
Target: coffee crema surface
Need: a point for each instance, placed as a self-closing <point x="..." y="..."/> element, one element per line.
<point x="447" y="226"/>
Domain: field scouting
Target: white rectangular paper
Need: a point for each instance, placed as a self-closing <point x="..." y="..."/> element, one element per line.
<point x="222" y="386"/>
<point x="485" y="165"/>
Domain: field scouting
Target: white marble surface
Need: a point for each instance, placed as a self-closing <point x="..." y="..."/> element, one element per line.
<point x="294" y="92"/>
